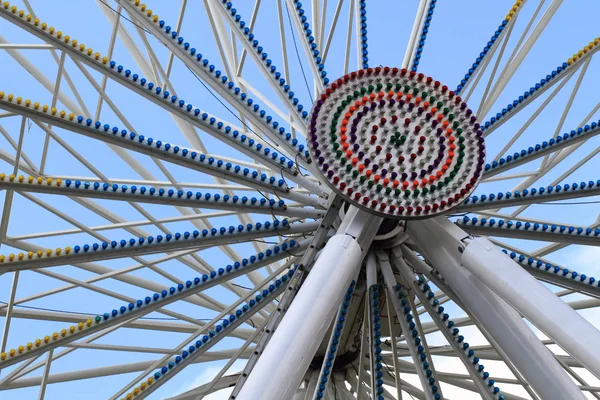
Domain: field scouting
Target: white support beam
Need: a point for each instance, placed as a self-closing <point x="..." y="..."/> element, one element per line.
<point x="501" y="321"/>
<point x="341" y="258"/>
<point x="541" y="150"/>
<point x="88" y="326"/>
<point x="266" y="70"/>
<point x="174" y="154"/>
<point x="533" y="196"/>
<point x="401" y="314"/>
<point x="215" y="82"/>
<point x="411" y="47"/>
<point x="459" y="352"/>
<point x="303" y="38"/>
<point x="151" y="245"/>
<point x="202" y="331"/>
<point x="519" y="230"/>
<point x="511" y="68"/>
<point x="226" y="329"/>
<point x="571" y="331"/>
<point x="169" y="197"/>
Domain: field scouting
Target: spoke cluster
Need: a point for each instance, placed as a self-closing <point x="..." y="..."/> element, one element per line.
<point x="540" y="87"/>
<point x="384" y="143"/>
<point x="488" y="46"/>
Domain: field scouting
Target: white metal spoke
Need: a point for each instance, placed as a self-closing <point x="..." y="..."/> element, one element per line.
<point x="510" y="69"/>
<point x="143" y="194"/>
<point x="202" y="331"/>
<point x="158" y="230"/>
<point x="269" y="71"/>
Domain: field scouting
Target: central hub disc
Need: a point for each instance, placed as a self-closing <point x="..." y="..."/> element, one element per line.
<point x="395" y="143"/>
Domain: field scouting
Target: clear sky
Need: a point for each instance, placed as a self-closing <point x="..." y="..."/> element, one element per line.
<point x="459" y="30"/>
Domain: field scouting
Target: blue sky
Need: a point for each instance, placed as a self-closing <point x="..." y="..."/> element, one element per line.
<point x="459" y="31"/>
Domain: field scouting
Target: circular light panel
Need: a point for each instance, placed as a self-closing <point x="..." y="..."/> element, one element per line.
<point x="396" y="143"/>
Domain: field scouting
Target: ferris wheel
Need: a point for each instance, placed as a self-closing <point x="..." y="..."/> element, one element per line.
<point x="292" y="233"/>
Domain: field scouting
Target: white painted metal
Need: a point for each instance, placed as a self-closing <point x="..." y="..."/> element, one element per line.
<point x="511" y="68"/>
<point x="522" y="347"/>
<point x="556" y="319"/>
<point x="515" y="343"/>
<point x="390" y="280"/>
<point x="340" y="258"/>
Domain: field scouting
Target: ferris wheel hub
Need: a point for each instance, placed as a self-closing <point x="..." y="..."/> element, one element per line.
<point x="395" y="143"/>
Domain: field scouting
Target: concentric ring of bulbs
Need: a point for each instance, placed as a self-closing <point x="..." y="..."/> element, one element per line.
<point x="396" y="143"/>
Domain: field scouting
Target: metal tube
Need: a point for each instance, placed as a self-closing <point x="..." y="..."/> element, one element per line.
<point x="503" y="323"/>
<point x="340" y="259"/>
<point x="537" y="303"/>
